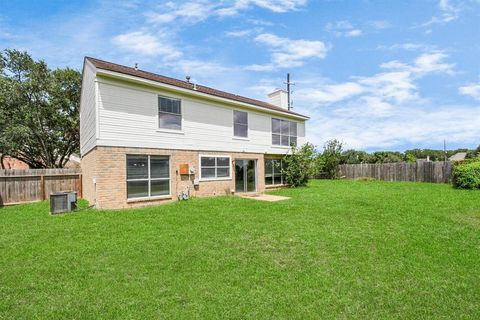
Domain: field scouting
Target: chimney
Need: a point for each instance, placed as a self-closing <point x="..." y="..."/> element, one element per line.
<point x="279" y="98"/>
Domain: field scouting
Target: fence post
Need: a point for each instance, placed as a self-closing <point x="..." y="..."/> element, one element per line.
<point x="42" y="186"/>
<point x="80" y="187"/>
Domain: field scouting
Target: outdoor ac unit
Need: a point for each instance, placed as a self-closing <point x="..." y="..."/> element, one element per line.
<point x="63" y="202"/>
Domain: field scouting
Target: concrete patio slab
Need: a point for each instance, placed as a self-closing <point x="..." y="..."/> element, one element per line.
<point x="264" y="197"/>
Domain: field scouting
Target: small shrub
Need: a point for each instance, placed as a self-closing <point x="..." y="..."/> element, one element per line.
<point x="466" y="175"/>
<point x="299" y="166"/>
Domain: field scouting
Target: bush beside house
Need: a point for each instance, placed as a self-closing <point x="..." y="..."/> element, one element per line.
<point x="466" y="174"/>
<point x="299" y="166"/>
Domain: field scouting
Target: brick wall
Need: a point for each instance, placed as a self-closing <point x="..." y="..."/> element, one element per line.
<point x="108" y="166"/>
<point x="88" y="172"/>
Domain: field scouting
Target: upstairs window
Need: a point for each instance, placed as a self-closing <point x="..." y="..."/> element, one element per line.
<point x="169" y="113"/>
<point x="240" y="124"/>
<point x="214" y="167"/>
<point x="284" y="132"/>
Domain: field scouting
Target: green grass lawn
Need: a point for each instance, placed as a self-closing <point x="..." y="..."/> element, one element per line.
<point x="337" y="249"/>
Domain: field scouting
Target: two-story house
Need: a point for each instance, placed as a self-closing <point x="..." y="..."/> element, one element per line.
<point x="146" y="138"/>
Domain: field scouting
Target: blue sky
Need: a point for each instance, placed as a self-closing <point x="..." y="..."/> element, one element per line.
<point x="374" y="74"/>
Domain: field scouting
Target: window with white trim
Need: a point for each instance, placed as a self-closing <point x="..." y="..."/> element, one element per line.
<point x="147" y="176"/>
<point x="214" y="167"/>
<point x="273" y="172"/>
<point x="240" y="124"/>
<point x="169" y="113"/>
<point x="284" y="132"/>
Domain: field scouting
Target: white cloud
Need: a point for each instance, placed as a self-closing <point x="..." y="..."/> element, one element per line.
<point x="409" y="46"/>
<point x="448" y="13"/>
<point x="353" y="33"/>
<point x="332" y="93"/>
<point x="277" y="6"/>
<point x="343" y="28"/>
<point x="146" y="44"/>
<point x="259" y="22"/>
<point x="243" y="33"/>
<point x="472" y="90"/>
<point x="432" y="62"/>
<point x="396" y="85"/>
<point x="370" y="124"/>
<point x="286" y="53"/>
<point x="385" y="109"/>
<point x="199" y="10"/>
<point x="191" y="12"/>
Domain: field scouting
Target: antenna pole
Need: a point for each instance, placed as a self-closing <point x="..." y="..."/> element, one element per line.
<point x="288" y="90"/>
<point x="445" y="149"/>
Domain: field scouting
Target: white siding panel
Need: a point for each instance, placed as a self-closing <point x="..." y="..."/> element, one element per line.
<point x="128" y="116"/>
<point x="87" y="110"/>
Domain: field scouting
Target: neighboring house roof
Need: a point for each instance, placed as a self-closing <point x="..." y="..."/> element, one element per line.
<point x="73" y="161"/>
<point x="105" y="65"/>
<point x="12" y="163"/>
<point x="459" y="156"/>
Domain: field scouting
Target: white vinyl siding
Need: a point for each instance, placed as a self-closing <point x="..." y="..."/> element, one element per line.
<point x="128" y="116"/>
<point x="88" y="117"/>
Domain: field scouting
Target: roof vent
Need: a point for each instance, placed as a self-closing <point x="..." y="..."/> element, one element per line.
<point x="136" y="66"/>
<point x="188" y="79"/>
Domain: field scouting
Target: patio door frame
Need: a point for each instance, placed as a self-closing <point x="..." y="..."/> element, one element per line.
<point x="245" y="175"/>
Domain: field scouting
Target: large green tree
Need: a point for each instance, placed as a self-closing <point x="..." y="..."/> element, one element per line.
<point x="39" y="111"/>
<point x="330" y="158"/>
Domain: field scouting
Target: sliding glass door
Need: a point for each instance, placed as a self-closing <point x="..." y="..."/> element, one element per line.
<point x="245" y="175"/>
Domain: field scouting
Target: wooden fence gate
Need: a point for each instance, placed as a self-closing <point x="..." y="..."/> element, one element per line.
<point x="21" y="186"/>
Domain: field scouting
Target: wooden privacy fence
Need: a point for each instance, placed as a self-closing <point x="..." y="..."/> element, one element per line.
<point x="420" y="171"/>
<point x="21" y="186"/>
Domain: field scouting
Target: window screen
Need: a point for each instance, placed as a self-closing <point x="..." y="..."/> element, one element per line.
<point x="147" y="176"/>
<point x="169" y="113"/>
<point x="213" y="167"/>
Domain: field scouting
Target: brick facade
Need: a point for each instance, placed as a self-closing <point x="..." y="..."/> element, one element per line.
<point x="107" y="166"/>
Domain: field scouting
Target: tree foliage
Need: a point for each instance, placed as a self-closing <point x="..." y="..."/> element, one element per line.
<point x="299" y="165"/>
<point x="466" y="174"/>
<point x="330" y="158"/>
<point x="39" y="111"/>
<point x="352" y="156"/>
<point x="387" y="157"/>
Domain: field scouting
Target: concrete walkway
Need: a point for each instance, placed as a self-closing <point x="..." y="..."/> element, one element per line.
<point x="264" y="197"/>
